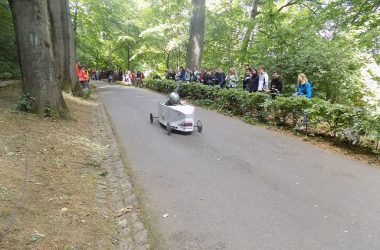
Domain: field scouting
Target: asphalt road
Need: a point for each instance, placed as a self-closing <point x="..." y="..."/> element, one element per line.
<point x="237" y="186"/>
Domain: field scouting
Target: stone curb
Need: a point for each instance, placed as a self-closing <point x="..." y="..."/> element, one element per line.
<point x="115" y="194"/>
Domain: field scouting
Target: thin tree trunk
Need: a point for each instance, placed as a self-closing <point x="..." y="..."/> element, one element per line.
<point x="63" y="43"/>
<point x="196" y="39"/>
<point x="38" y="71"/>
<point x="75" y="24"/>
<point x="168" y="61"/>
<point x="251" y="25"/>
<point x="70" y="79"/>
<point x="129" y="59"/>
<point x="56" y="27"/>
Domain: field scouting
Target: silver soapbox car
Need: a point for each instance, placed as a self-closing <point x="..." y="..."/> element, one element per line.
<point x="176" y="116"/>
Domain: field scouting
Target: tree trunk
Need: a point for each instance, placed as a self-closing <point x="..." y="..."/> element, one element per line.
<point x="251" y="26"/>
<point x="75" y="24"/>
<point x="63" y="43"/>
<point x="197" y="28"/>
<point x="38" y="71"/>
<point x="129" y="59"/>
<point x="168" y="61"/>
<point x="70" y="79"/>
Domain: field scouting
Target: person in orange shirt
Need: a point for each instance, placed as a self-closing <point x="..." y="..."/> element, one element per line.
<point x="82" y="75"/>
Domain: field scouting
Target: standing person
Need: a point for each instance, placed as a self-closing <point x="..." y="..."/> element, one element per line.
<point x="247" y="78"/>
<point x="139" y="78"/>
<point x="304" y="88"/>
<point x="232" y="79"/>
<point x="128" y="78"/>
<point x="263" y="79"/>
<point x="222" y="78"/>
<point x="253" y="83"/>
<point x="187" y="75"/>
<point x="182" y="74"/>
<point x="82" y="76"/>
<point x="276" y="84"/>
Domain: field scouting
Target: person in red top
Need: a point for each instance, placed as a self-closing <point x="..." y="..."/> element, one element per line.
<point x="82" y="75"/>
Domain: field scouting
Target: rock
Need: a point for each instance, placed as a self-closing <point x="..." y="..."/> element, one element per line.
<point x="64" y="209"/>
<point x="122" y="211"/>
<point x="141" y="238"/>
<point x="139" y="227"/>
<point x="123" y="223"/>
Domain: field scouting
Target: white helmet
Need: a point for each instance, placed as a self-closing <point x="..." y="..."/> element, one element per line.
<point x="174" y="98"/>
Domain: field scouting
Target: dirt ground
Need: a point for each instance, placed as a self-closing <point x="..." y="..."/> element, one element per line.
<point x="49" y="171"/>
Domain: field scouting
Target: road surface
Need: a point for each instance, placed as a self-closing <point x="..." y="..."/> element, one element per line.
<point x="237" y="186"/>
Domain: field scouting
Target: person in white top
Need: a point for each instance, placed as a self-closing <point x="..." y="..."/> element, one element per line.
<point x="263" y="79"/>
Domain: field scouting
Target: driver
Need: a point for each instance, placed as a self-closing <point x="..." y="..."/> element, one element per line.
<point x="173" y="99"/>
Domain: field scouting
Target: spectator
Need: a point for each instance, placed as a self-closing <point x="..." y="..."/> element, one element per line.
<point x="182" y="74"/>
<point x="276" y="84"/>
<point x="232" y="79"/>
<point x="208" y="78"/>
<point x="82" y="75"/>
<point x="139" y="77"/>
<point x="188" y="74"/>
<point x="304" y="88"/>
<point x="263" y="79"/>
<point x="128" y="78"/>
<point x="222" y="78"/>
<point x="253" y="83"/>
<point x="247" y="77"/>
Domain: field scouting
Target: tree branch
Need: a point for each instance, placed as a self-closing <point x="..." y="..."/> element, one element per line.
<point x="290" y="3"/>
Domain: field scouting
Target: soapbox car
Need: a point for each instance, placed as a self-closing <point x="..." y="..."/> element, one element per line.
<point x="176" y="116"/>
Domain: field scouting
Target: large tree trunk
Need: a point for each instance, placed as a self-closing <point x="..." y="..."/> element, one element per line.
<point x="251" y="25"/>
<point x="63" y="43"/>
<point x="197" y="28"/>
<point x="38" y="71"/>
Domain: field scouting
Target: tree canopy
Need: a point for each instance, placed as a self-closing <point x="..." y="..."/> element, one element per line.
<point x="328" y="40"/>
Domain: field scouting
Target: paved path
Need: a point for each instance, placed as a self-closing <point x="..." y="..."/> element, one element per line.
<point x="237" y="186"/>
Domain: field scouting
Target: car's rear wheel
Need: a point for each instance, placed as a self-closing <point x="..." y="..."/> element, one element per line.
<point x="199" y="126"/>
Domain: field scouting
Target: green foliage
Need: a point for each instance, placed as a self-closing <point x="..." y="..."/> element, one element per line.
<point x="347" y="123"/>
<point x="25" y="102"/>
<point x="48" y="110"/>
<point x="9" y="68"/>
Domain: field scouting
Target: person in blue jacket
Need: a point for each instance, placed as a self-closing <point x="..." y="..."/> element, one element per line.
<point x="182" y="74"/>
<point x="304" y="88"/>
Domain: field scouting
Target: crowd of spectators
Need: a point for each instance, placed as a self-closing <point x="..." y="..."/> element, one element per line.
<point x="253" y="80"/>
<point x="128" y="77"/>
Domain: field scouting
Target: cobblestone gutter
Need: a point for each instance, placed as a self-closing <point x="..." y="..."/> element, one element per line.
<point x="115" y="193"/>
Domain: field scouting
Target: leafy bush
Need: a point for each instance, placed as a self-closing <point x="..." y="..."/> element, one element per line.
<point x="349" y="124"/>
<point x="25" y="103"/>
